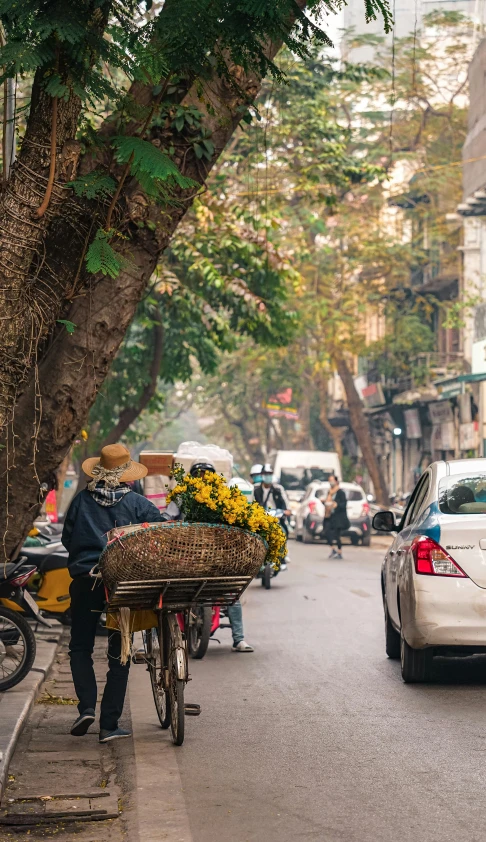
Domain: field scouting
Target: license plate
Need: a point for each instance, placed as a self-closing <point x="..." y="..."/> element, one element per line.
<point x="31" y="602"/>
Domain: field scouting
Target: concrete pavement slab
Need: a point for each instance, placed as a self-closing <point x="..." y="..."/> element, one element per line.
<point x="16" y="703"/>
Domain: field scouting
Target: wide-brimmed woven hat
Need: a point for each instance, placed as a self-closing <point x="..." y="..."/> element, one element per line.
<point x="114" y="456"/>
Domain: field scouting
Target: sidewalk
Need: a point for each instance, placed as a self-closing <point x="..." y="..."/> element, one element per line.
<point x="17" y="703"/>
<point x="58" y="784"/>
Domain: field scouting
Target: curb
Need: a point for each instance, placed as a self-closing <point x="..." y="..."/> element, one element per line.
<point x="17" y="703"/>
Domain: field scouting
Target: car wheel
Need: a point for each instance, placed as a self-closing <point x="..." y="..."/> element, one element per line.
<point x="366" y="541"/>
<point x="307" y="536"/>
<point x="354" y="539"/>
<point x="298" y="536"/>
<point x="392" y="637"/>
<point x="416" y="663"/>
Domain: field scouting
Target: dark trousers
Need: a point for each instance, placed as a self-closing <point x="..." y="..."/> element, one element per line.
<point x="333" y="534"/>
<point x="87" y="603"/>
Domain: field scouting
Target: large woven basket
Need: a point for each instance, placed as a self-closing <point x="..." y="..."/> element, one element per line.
<point x="182" y="550"/>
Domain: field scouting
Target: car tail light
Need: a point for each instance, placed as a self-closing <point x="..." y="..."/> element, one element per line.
<point x="312" y="507"/>
<point x="431" y="560"/>
<point x="22" y="578"/>
<point x="365" y="510"/>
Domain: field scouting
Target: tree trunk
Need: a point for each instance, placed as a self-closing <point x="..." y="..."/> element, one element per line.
<point x="131" y="413"/>
<point x="360" y="427"/>
<point x="55" y="405"/>
<point x="336" y="433"/>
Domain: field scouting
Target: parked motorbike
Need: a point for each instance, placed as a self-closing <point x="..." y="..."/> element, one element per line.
<point x="17" y="640"/>
<point x="50" y="586"/>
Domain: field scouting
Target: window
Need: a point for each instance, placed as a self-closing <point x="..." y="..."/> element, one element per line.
<point x="416" y="501"/>
<point x="297" y="479"/>
<point x="463" y="494"/>
<point x="352" y="495"/>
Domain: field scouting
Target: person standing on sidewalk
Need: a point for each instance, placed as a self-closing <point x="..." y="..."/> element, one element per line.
<point x="106" y="502"/>
<point x="336" y="516"/>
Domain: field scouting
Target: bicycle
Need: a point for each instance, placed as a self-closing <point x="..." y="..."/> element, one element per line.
<point x="166" y="646"/>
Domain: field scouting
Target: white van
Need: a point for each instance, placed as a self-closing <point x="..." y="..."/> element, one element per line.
<point x="295" y="469"/>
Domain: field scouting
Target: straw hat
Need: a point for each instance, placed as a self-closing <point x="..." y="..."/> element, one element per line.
<point x="114" y="456"/>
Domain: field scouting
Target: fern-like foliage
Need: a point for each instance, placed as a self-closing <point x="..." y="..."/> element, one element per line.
<point x="94" y="185"/>
<point x="49" y="34"/>
<point x="156" y="172"/>
<point x="102" y="257"/>
<point x="72" y="43"/>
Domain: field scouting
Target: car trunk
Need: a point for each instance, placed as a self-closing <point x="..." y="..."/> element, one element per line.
<point x="464" y="538"/>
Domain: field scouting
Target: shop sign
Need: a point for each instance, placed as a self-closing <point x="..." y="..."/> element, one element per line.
<point x="413" y="428"/>
<point x="469" y="436"/>
<point x="280" y="406"/>
<point x="370" y="393"/>
<point x="443" y="436"/>
<point x="440" y="412"/>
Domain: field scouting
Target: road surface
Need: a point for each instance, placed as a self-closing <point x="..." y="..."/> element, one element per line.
<point x="314" y="736"/>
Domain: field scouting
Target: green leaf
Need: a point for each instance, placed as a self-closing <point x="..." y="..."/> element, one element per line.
<point x="198" y="150"/>
<point x="70" y="326"/>
<point x="101" y="256"/>
<point x="94" y="185"/>
<point x="150" y="165"/>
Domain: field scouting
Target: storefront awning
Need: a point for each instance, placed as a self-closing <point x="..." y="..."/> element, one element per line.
<point x="450" y="387"/>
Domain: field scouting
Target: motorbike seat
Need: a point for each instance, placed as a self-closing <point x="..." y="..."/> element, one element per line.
<point x="6" y="569"/>
<point x="56" y="561"/>
<point x="36" y="554"/>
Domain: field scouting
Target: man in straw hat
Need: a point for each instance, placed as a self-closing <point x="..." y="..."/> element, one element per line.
<point x="106" y="502"/>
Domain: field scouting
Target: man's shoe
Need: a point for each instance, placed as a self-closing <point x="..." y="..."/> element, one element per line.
<point x="242" y="646"/>
<point x="339" y="555"/>
<point x="117" y="734"/>
<point x="83" y="723"/>
<point x="332" y="554"/>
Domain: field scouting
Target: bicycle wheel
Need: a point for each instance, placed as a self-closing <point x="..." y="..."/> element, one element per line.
<point x="17" y="648"/>
<point x="199" y="630"/>
<point x="154" y="661"/>
<point x="172" y="637"/>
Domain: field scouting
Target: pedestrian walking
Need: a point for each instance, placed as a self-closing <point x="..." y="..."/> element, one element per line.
<point x="336" y="518"/>
<point x="108" y="501"/>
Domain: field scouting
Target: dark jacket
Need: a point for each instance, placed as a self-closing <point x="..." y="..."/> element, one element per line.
<point x="86" y="525"/>
<point x="262" y="493"/>
<point x="339" y="518"/>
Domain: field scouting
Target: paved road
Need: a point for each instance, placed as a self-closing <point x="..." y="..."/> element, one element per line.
<point x="314" y="736"/>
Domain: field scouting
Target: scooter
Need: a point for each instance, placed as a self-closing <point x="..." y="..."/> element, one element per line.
<point x="204" y="621"/>
<point x="17" y="640"/>
<point x="267" y="571"/>
<point x="50" y="586"/>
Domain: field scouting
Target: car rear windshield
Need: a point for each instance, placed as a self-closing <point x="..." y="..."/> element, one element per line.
<point x="353" y="495"/>
<point x="297" y="479"/>
<point x="463" y="494"/>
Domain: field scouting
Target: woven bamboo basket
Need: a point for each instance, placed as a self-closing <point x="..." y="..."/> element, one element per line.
<point x="182" y="550"/>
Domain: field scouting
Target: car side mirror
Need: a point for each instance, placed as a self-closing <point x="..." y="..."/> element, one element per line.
<point x="384" y="522"/>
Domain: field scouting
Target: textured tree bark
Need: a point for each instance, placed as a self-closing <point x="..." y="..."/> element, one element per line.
<point x="360" y="426"/>
<point x="23" y="316"/>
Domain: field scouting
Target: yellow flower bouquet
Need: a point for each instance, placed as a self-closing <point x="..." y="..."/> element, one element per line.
<point x="209" y="499"/>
